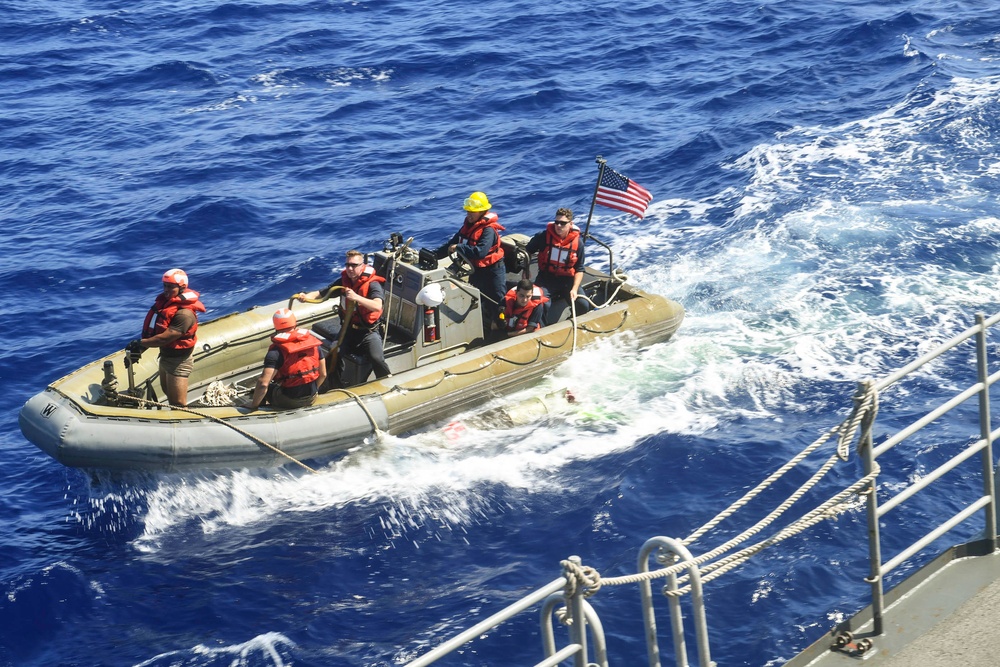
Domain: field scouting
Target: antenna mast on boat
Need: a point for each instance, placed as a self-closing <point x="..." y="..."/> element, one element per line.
<point x="601" y="161"/>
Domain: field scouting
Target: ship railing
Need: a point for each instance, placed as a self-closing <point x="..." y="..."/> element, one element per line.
<point x="983" y="447"/>
<point x="565" y="598"/>
<point x="561" y="599"/>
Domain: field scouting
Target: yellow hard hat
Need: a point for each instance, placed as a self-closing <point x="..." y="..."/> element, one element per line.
<point x="477" y="201"/>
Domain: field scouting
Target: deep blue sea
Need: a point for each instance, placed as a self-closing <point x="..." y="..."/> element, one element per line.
<point x="825" y="179"/>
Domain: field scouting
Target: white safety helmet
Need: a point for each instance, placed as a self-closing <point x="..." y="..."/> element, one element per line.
<point x="176" y="277"/>
<point x="431" y="295"/>
<point x="284" y="319"/>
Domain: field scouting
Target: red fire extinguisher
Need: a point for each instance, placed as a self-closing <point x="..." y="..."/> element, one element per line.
<point x="430" y="325"/>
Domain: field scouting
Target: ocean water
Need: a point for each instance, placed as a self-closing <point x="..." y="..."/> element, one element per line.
<point x="825" y="178"/>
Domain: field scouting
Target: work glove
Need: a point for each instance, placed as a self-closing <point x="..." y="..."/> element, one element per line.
<point x="135" y="350"/>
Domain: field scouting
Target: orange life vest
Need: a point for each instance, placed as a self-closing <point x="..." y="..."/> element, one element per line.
<point x="164" y="308"/>
<point x="300" y="352"/>
<point x="559" y="256"/>
<point x="362" y="316"/>
<point x="472" y="232"/>
<point x="517" y="317"/>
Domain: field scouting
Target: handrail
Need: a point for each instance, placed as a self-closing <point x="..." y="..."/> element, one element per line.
<point x="667" y="547"/>
<point x="490" y="623"/>
<point x="685" y="573"/>
<point x="943" y="528"/>
<point x="931" y="416"/>
<point x="983" y="447"/>
<point x="939" y="472"/>
<point x="893" y="378"/>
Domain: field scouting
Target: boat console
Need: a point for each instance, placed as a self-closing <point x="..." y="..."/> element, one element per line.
<point x="431" y="311"/>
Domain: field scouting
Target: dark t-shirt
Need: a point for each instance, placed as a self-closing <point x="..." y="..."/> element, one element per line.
<point x="375" y="290"/>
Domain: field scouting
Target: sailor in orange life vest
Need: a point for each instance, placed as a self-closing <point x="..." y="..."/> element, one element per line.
<point x="478" y="241"/>
<point x="293" y="367"/>
<point x="173" y="331"/>
<point x="363" y="287"/>
<point x="524" y="309"/>
<point x="560" y="260"/>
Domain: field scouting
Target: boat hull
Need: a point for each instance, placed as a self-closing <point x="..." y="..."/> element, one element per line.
<point x="134" y="441"/>
<point x="75" y="423"/>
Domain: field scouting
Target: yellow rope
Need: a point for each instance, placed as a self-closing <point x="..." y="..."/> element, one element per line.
<point x="322" y="297"/>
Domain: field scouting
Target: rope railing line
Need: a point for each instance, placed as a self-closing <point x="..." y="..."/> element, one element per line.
<point x="445" y="374"/>
<point x="719" y="568"/>
<point x="398" y="387"/>
<point x="830" y="509"/>
<point x="865" y="406"/>
<point x="847" y="429"/>
<point x="761" y="487"/>
<point x="540" y="343"/>
<point x="820" y="513"/>
<point x="863" y="413"/>
<point x="689" y="575"/>
<point x="493" y="360"/>
<point x="204" y="415"/>
<point x="538" y="353"/>
<point x="776" y="513"/>
<point x="544" y="343"/>
<point x="584" y="327"/>
<point x="580" y="576"/>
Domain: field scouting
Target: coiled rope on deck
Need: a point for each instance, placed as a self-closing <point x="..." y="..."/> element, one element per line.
<point x="617" y="277"/>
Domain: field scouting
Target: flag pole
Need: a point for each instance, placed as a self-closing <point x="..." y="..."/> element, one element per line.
<point x="601" y="161"/>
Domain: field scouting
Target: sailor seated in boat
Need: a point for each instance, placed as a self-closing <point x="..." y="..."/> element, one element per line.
<point x="293" y="367"/>
<point x="560" y="263"/>
<point x="524" y="309"/>
<point x="361" y="300"/>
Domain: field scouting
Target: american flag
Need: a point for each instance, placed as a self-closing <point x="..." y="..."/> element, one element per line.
<point x="622" y="193"/>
